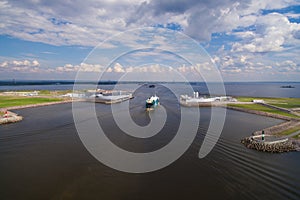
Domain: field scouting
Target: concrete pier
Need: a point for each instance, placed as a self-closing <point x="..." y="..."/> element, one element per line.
<point x="112" y="100"/>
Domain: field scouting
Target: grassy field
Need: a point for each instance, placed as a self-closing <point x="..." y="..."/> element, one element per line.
<point x="9" y="101"/>
<point x="54" y="93"/>
<point x="280" y="102"/>
<point x="259" y="107"/>
<point x="290" y="131"/>
<point x="48" y="92"/>
<point x="297" y="136"/>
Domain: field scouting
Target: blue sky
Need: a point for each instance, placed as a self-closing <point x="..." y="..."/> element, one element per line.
<point x="246" y="40"/>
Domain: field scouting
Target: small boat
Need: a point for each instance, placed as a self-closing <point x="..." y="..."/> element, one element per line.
<point x="152" y="101"/>
<point x="151" y="86"/>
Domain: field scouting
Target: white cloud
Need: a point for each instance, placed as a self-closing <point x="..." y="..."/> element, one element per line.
<point x="238" y="64"/>
<point x="82" y="67"/>
<point x="240" y="67"/>
<point x="20" y="66"/>
<point x="89" y="22"/>
<point x="287" y="66"/>
<point x="63" y="23"/>
<point x="273" y="32"/>
<point x="118" y="68"/>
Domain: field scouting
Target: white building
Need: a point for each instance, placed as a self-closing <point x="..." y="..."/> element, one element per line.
<point x="258" y="101"/>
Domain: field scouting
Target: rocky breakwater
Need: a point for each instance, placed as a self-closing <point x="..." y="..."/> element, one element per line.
<point x="275" y="146"/>
<point x="10" y="117"/>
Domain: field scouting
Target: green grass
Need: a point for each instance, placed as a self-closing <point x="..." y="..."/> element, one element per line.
<point x="62" y="92"/>
<point x="259" y="107"/>
<point x="48" y="92"/>
<point x="285" y="102"/>
<point x="297" y="136"/>
<point x="280" y="102"/>
<point x="290" y="131"/>
<point x="246" y="99"/>
<point x="9" y="101"/>
<point x="55" y="92"/>
<point x="44" y="92"/>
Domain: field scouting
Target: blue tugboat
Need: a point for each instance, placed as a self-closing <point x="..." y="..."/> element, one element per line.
<point x="152" y="102"/>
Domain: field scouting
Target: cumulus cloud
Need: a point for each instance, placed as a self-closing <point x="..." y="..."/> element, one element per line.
<point x="287" y="66"/>
<point x="118" y="68"/>
<point x="89" y="22"/>
<point x="241" y="64"/>
<point x="20" y="66"/>
<point x="273" y="31"/>
<point x="63" y="23"/>
<point x="83" y="67"/>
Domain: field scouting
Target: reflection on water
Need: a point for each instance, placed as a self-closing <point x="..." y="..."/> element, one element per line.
<point x="42" y="157"/>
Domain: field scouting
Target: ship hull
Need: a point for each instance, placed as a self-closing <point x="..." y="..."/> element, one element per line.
<point x="152" y="102"/>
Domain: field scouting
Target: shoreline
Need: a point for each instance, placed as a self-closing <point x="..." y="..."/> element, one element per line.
<point x="37" y="105"/>
<point x="277" y="130"/>
<point x="290" y="144"/>
<point x="13" y="117"/>
<point x="262" y="113"/>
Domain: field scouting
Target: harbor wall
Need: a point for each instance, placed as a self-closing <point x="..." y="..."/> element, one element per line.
<point x="280" y="146"/>
<point x="10" y="117"/>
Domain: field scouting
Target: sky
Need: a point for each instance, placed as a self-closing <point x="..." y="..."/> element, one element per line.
<point x="247" y="40"/>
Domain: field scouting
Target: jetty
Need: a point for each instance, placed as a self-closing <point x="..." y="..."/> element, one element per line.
<point x="109" y="99"/>
<point x="269" y="143"/>
<point x="271" y="139"/>
<point x="203" y="101"/>
<point x="10" y="117"/>
<point x="107" y="96"/>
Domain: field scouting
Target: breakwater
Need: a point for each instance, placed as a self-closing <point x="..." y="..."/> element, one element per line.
<point x="277" y="146"/>
<point x="110" y="100"/>
<point x="10" y="117"/>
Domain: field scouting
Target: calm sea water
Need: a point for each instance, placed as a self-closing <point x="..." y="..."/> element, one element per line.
<point x="42" y="157"/>
<point x="256" y="89"/>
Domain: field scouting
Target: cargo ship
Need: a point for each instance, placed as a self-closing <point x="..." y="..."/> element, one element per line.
<point x="152" y="102"/>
